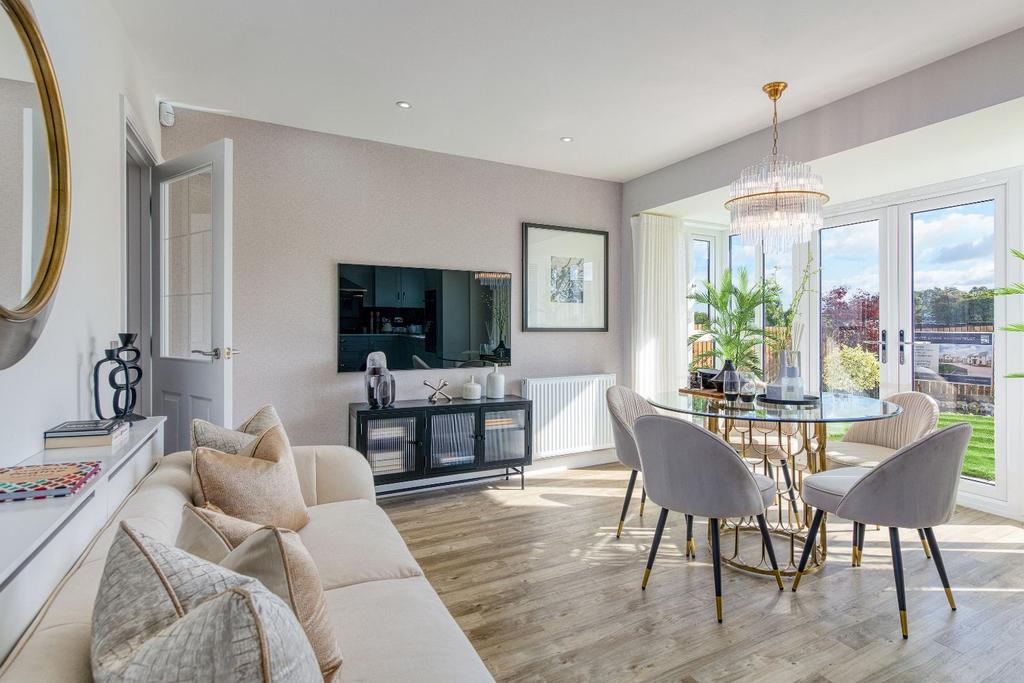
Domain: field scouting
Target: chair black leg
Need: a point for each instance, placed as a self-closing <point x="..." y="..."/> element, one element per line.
<point x="625" y="503"/>
<point x="643" y="499"/>
<point x="654" y="546"/>
<point x="924" y="544"/>
<point x="930" y="536"/>
<point x="691" y="545"/>
<point x="767" y="538"/>
<point x="789" y="484"/>
<point x="716" y="560"/>
<point x="812" y="533"/>
<point x="897" y="570"/>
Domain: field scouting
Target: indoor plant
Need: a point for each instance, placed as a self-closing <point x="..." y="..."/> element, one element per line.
<point x="733" y="323"/>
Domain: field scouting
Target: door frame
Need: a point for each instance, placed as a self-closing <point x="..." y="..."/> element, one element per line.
<point x="135" y="145"/>
<point x="1008" y="500"/>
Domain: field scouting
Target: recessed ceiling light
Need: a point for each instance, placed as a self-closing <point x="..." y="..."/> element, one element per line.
<point x="402" y="104"/>
<point x="565" y="138"/>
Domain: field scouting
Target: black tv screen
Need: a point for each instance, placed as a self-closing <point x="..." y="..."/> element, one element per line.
<point x="423" y="318"/>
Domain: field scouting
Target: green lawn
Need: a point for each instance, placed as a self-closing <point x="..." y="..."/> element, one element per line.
<point x="980" y="462"/>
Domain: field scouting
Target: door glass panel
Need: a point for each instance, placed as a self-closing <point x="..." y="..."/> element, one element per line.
<point x="742" y="257"/>
<point x="504" y="435"/>
<point x="849" y="284"/>
<point x="700" y="272"/>
<point x="186" y="251"/>
<point x="953" y="270"/>
<point x="391" y="445"/>
<point x="452" y="439"/>
<point x="778" y="277"/>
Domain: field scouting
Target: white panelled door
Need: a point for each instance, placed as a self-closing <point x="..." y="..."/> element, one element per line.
<point x="191" y="204"/>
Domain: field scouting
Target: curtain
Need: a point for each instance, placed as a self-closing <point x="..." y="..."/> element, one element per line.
<point x="659" y="305"/>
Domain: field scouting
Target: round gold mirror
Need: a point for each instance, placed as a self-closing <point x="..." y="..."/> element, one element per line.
<point x="34" y="182"/>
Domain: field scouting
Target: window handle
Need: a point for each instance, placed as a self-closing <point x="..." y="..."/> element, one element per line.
<point x="883" y="347"/>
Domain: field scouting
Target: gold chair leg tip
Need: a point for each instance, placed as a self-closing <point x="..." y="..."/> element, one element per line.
<point x="718" y="608"/>
<point x="778" y="578"/>
<point x="618" y="532"/>
<point x="952" y="602"/>
<point x="903" y="624"/>
<point x="796" y="580"/>
<point x="647" y="575"/>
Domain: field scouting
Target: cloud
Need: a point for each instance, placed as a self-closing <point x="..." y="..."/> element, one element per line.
<point x="963" y="251"/>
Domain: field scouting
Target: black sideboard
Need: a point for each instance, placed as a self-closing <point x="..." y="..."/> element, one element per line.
<point x="412" y="441"/>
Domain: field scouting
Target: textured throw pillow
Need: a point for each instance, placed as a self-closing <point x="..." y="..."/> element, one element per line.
<point x="260" y="484"/>
<point x="164" y="615"/>
<point x="277" y="559"/>
<point x="210" y="534"/>
<point x="208" y="435"/>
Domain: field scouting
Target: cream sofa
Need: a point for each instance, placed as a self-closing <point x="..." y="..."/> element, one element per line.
<point x="389" y="621"/>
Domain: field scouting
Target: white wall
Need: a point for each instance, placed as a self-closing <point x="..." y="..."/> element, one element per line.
<point x="306" y="201"/>
<point x="94" y="66"/>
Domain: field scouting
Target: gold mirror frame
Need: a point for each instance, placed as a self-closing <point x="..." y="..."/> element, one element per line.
<point x="20" y="327"/>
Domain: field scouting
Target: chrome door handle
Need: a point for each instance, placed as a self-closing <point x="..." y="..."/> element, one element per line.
<point x="903" y="341"/>
<point x="215" y="354"/>
<point x="883" y="348"/>
<point x="230" y="352"/>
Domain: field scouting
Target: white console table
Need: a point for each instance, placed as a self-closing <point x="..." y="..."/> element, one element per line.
<point x="42" y="539"/>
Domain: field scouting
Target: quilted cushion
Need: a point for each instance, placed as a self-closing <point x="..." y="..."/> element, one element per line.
<point x="164" y="615"/>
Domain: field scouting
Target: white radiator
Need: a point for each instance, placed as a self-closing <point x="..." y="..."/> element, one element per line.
<point x="570" y="414"/>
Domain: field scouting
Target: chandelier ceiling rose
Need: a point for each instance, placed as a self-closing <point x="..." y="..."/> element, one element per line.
<point x="776" y="203"/>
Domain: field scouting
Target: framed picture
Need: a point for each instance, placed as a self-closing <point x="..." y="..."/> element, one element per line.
<point x="565" y="279"/>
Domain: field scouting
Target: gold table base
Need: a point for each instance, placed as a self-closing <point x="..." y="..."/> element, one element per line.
<point x="765" y="445"/>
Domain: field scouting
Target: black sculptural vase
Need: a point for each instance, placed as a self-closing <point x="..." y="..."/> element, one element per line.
<point x="123" y="378"/>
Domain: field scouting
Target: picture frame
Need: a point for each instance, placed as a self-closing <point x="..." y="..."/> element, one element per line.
<point x="565" y="279"/>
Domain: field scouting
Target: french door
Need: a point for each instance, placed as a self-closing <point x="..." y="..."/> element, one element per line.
<point x="904" y="305"/>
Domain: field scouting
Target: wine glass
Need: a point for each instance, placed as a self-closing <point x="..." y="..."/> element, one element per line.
<point x="748" y="387"/>
<point x="731" y="385"/>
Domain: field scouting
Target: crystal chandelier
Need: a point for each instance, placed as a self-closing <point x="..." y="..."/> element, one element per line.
<point x="776" y="202"/>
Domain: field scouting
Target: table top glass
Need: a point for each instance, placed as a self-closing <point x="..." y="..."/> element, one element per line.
<point x="832" y="408"/>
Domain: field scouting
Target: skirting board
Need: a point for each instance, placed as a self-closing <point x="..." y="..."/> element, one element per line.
<point x="553" y="464"/>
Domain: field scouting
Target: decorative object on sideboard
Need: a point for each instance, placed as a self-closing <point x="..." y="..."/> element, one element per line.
<point x="87" y="434"/>
<point x="380" y="383"/>
<point x="109" y="356"/>
<point x="438" y="393"/>
<point x="495" y="383"/>
<point x="125" y="386"/>
<point x="471" y="390"/>
<point x="565" y="279"/>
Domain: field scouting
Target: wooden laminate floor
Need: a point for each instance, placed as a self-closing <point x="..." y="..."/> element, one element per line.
<point x="545" y="592"/>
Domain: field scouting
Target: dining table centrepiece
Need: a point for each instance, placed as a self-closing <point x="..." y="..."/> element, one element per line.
<point x="784" y="443"/>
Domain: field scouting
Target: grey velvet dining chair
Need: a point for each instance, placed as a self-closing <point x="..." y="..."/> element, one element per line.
<point x="915" y="488"/>
<point x="625" y="406"/>
<point x="690" y="470"/>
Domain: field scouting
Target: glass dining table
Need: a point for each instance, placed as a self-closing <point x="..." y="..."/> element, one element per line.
<point x="785" y="443"/>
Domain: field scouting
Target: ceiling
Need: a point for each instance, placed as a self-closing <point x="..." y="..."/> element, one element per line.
<point x="975" y="144"/>
<point x="637" y="85"/>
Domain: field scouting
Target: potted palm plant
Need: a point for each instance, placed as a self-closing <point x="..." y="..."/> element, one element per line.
<point x="732" y="325"/>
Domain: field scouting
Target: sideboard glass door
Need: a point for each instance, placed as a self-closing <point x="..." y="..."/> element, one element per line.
<point x="504" y="435"/>
<point x="453" y="440"/>
<point x="392" y="444"/>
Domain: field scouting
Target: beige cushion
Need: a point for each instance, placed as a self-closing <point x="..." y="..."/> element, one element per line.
<point x="259" y="484"/>
<point x="417" y="641"/>
<point x="277" y="559"/>
<point x="164" y="615"/>
<point x="211" y="535"/>
<point x="354" y="541"/>
<point x="854" y="454"/>
<point x="208" y="435"/>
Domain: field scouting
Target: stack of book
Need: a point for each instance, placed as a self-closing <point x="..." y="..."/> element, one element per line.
<point x="84" y="433"/>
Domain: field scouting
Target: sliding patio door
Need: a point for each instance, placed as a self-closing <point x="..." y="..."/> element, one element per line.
<point x="904" y="305"/>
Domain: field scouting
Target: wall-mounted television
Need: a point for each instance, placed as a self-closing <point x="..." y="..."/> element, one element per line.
<point x="423" y="318"/>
